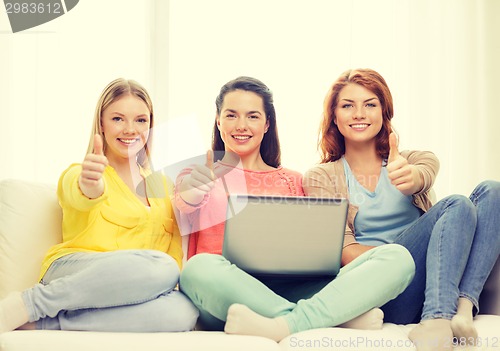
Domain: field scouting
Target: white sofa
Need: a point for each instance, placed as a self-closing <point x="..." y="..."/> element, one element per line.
<point x="30" y="222"/>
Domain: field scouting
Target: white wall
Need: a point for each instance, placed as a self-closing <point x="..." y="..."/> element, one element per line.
<point x="439" y="58"/>
<point x="51" y="78"/>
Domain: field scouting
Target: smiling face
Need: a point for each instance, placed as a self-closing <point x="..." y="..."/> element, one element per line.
<point x="358" y="114"/>
<point x="242" y="123"/>
<point x="125" y="125"/>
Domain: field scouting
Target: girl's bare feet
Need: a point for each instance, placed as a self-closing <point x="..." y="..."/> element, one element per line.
<point x="371" y="320"/>
<point x="13" y="313"/>
<point x="462" y="324"/>
<point x="244" y="321"/>
<point x="432" y="335"/>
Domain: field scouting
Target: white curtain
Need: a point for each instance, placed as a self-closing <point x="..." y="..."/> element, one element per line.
<point x="452" y="89"/>
<point x="51" y="77"/>
<point x="438" y="57"/>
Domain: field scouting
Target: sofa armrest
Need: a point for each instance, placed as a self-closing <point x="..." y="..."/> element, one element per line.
<point x="489" y="301"/>
<point x="30" y="223"/>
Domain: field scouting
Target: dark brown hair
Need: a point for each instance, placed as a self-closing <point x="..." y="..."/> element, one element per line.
<point x="270" y="146"/>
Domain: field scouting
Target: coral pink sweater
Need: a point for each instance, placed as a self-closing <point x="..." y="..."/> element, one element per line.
<point x="205" y="221"/>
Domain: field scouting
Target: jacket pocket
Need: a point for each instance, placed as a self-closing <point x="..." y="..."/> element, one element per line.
<point x="118" y="219"/>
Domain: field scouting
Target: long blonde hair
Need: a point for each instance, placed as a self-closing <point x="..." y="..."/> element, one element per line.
<point x="113" y="91"/>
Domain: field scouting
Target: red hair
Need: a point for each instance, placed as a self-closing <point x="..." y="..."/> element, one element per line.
<point x="331" y="142"/>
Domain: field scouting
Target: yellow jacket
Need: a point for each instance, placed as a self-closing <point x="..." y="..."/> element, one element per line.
<point x="117" y="220"/>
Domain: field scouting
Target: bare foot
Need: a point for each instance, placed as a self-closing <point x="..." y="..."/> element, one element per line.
<point x="371" y="320"/>
<point x="244" y="321"/>
<point x="462" y="324"/>
<point x="13" y="312"/>
<point x="28" y="326"/>
<point x="432" y="335"/>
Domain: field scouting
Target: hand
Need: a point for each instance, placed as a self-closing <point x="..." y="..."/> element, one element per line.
<point x="351" y="252"/>
<point x="90" y="181"/>
<point x="405" y="177"/>
<point x="199" y="182"/>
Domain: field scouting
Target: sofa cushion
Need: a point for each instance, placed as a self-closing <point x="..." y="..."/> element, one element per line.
<point x="45" y="340"/>
<point x="391" y="337"/>
<point x="30" y="223"/>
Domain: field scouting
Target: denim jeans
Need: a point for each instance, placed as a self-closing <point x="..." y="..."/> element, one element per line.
<point x="369" y="281"/>
<point x="455" y="246"/>
<point x="119" y="291"/>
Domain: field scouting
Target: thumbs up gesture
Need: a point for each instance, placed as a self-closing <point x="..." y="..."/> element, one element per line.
<point x="405" y="177"/>
<point x="90" y="181"/>
<point x="199" y="182"/>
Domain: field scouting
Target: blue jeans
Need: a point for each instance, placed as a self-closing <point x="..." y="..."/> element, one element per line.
<point x="369" y="281"/>
<point x="119" y="291"/>
<point x="455" y="246"/>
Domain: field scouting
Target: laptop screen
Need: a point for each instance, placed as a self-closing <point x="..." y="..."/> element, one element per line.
<point x="292" y="236"/>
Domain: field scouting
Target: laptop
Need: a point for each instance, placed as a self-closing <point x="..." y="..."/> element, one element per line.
<point x="285" y="236"/>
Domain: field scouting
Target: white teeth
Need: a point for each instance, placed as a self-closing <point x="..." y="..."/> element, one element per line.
<point x="241" y="137"/>
<point x="359" y="126"/>
<point x="128" y="141"/>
